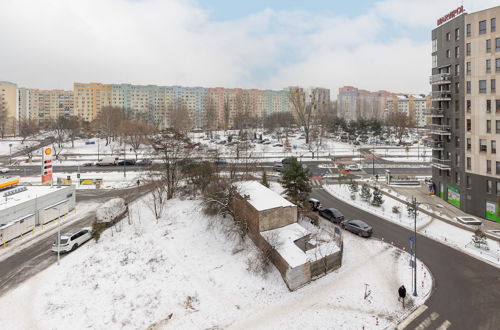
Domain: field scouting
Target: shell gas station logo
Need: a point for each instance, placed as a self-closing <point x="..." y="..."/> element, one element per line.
<point x="48" y="151"/>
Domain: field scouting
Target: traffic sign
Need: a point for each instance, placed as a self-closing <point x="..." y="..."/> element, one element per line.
<point x="411" y="239"/>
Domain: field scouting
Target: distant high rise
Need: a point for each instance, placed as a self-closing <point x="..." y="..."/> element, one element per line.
<point x="9" y="114"/>
<point x="47" y="105"/>
<point x="415" y="106"/>
<point x="90" y="99"/>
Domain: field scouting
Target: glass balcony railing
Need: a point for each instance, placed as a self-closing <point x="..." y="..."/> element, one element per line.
<point x="440" y="78"/>
<point x="442" y="164"/>
<point x="440" y="129"/>
<point x="434" y="112"/>
<point x="441" y="95"/>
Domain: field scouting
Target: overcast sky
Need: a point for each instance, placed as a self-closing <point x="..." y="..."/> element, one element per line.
<point x="252" y="44"/>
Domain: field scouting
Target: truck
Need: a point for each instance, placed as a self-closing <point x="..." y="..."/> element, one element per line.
<point x="107" y="161"/>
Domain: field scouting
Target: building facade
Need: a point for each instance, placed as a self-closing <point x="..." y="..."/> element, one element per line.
<point x="466" y="111"/>
<point x="414" y="106"/>
<point x="9" y="114"/>
<point x="46" y="105"/>
<point x="90" y="99"/>
<point x="354" y="103"/>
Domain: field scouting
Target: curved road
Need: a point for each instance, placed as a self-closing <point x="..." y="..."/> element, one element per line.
<point x="466" y="290"/>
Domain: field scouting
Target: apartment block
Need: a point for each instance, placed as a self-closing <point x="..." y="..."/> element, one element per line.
<point x="354" y="103"/>
<point x="90" y="99"/>
<point x="9" y="114"/>
<point x="466" y="111"/>
<point x="47" y="105"/>
<point x="414" y="106"/>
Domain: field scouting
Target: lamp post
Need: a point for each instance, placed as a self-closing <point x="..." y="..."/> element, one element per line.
<point x="10" y="154"/>
<point x="124" y="158"/>
<point x="373" y="162"/>
<point x="58" y="236"/>
<point x="415" y="207"/>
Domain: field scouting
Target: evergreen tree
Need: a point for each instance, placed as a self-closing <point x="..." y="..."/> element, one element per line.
<point x="365" y="192"/>
<point x="479" y="238"/>
<point x="264" y="179"/>
<point x="410" y="208"/>
<point x="377" y="197"/>
<point x="353" y="186"/>
<point x="295" y="180"/>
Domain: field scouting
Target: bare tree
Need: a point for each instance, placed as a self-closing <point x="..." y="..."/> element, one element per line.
<point x="400" y="123"/>
<point x="136" y="134"/>
<point x="108" y="121"/>
<point x="158" y="194"/>
<point x="27" y="128"/>
<point x="73" y="128"/>
<point x="304" y="111"/>
<point x="226" y="112"/>
<point x="174" y="150"/>
<point x="180" y="119"/>
<point x="210" y="116"/>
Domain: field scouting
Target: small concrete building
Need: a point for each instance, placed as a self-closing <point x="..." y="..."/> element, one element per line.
<point x="23" y="208"/>
<point x="272" y="226"/>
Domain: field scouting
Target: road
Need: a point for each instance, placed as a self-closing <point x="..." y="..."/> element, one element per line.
<point x="36" y="257"/>
<point x="467" y="291"/>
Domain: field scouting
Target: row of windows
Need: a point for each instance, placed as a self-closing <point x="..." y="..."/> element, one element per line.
<point x="482" y="84"/>
<point x="468" y="47"/>
<point x="468" y="106"/>
<point x="482" y="27"/>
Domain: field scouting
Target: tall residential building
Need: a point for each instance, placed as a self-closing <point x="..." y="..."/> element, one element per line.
<point x="354" y="103"/>
<point x="47" y="105"/>
<point x="9" y="114"/>
<point x="466" y="110"/>
<point x="90" y="99"/>
<point x="415" y="106"/>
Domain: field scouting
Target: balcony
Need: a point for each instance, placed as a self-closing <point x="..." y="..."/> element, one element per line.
<point x="440" y="129"/>
<point x="442" y="164"/>
<point x="435" y="145"/>
<point x="434" y="112"/>
<point x="440" y="79"/>
<point x="441" y="95"/>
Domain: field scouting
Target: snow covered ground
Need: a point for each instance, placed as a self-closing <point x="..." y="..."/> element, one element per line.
<point x="176" y="274"/>
<point x="438" y="230"/>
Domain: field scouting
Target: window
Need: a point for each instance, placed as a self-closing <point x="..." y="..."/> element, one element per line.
<point x="497" y="126"/>
<point x="482" y="86"/>
<point x="482" y="27"/>
<point x="468" y="30"/>
<point x="448" y="36"/>
<point x="469" y="144"/>
<point x="457" y="70"/>
<point x="457" y="178"/>
<point x="469" y="163"/>
<point x="497" y="65"/>
<point x="488" y="126"/>
<point x="488" y="66"/>
<point x="468" y="87"/>
<point x="457" y="52"/>
<point x="457" y="90"/>
<point x="488" y="166"/>
<point x="448" y="53"/>
<point x="457" y="142"/>
<point x="457" y="103"/>
<point x="493" y="24"/>
<point x="497" y="106"/>
<point x="468" y="125"/>
<point x="467" y="67"/>
<point x="434" y="45"/>
<point x="498" y="187"/>
<point x="468" y="180"/>
<point x="483" y="147"/>
<point x="434" y="61"/>
<point x="497" y="169"/>
<point x="493" y="86"/>
<point x="488" y="186"/>
<point x="468" y="49"/>
<point x="457" y="123"/>
<point x="488" y="106"/>
<point x="468" y="105"/>
<point x="493" y="146"/>
<point x="497" y="44"/>
<point x="457" y="34"/>
<point x="488" y="45"/>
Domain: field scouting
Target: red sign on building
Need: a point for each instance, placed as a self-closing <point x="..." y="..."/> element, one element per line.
<point x="451" y="15"/>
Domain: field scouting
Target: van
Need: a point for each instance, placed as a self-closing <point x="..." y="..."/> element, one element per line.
<point x="107" y="161"/>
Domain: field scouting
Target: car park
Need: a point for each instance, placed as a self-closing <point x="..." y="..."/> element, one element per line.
<point x="358" y="227"/>
<point x="331" y="214"/>
<point x="72" y="240"/>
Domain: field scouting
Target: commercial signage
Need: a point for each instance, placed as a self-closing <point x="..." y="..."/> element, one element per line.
<point x="5" y="183"/>
<point x="47" y="165"/>
<point x="450" y="15"/>
<point x="492" y="211"/>
<point x="454" y="196"/>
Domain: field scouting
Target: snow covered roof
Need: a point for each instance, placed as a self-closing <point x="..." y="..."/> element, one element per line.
<point x="30" y="193"/>
<point x="261" y="197"/>
<point x="286" y="247"/>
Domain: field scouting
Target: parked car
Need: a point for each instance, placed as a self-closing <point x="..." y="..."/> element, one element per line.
<point x="315" y="204"/>
<point x="4" y="170"/>
<point x="353" y="167"/>
<point x="331" y="214"/>
<point x="126" y="162"/>
<point x="72" y="240"/>
<point x="279" y="144"/>
<point x="266" y="142"/>
<point x="356" y="143"/>
<point x="358" y="227"/>
<point x="88" y="164"/>
<point x="144" y="162"/>
<point x="107" y="161"/>
<point x="278" y="167"/>
<point x="285" y="161"/>
<point x="221" y="161"/>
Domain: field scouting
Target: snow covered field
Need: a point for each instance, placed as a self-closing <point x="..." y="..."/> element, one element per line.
<point x="438" y="230"/>
<point x="178" y="275"/>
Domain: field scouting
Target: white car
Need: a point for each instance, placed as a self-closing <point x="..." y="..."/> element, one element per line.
<point x="4" y="170"/>
<point x="72" y="240"/>
<point x="354" y="167"/>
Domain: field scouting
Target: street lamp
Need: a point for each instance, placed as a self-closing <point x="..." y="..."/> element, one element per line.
<point x="415" y="207"/>
<point x="58" y="236"/>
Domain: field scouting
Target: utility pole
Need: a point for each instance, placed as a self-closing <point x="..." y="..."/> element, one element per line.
<point x="415" y="206"/>
<point x="59" y="235"/>
<point x="10" y="154"/>
<point x="373" y="162"/>
<point x="124" y="159"/>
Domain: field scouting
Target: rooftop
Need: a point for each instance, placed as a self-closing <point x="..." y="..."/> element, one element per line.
<point x="30" y="193"/>
<point x="261" y="197"/>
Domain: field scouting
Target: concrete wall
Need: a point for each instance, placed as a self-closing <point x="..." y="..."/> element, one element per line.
<point x="277" y="217"/>
<point x="327" y="264"/>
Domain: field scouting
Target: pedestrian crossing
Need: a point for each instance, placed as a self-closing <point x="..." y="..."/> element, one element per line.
<point x="315" y="181"/>
<point x="432" y="321"/>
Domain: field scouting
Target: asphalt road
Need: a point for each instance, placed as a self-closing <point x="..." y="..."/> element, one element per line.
<point x="466" y="290"/>
<point x="36" y="257"/>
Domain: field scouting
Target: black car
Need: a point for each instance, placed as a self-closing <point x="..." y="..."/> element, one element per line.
<point x="126" y="162"/>
<point x="144" y="162"/>
<point x="331" y="214"/>
<point x="285" y="161"/>
<point x="278" y="167"/>
<point x="358" y="227"/>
